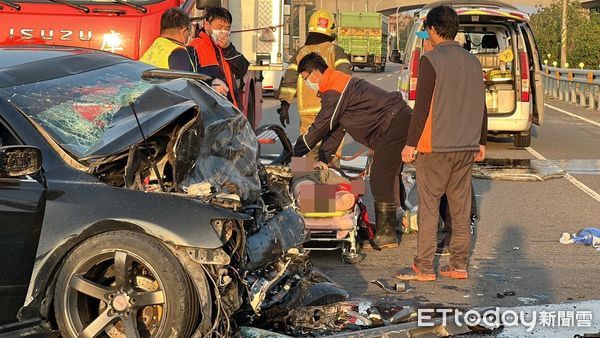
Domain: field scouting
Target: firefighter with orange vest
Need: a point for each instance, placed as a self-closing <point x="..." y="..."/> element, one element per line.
<point x="217" y="56"/>
<point x="321" y="35"/>
<point x="375" y="118"/>
<point x="169" y="50"/>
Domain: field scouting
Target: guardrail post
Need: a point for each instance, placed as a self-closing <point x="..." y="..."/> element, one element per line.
<point x="582" y="100"/>
<point x="561" y="96"/>
<point x="574" y="90"/>
<point x="595" y="97"/>
<point x="545" y="84"/>
<point x="591" y="98"/>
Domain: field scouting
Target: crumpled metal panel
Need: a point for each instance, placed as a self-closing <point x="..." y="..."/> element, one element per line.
<point x="282" y="232"/>
<point x="323" y="294"/>
<point x="228" y="154"/>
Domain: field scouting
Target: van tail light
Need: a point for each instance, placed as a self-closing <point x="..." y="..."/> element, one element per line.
<point x="524" y="76"/>
<point x="414" y="72"/>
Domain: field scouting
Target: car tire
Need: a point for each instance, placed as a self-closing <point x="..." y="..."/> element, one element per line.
<point x="522" y="140"/>
<point x="152" y="296"/>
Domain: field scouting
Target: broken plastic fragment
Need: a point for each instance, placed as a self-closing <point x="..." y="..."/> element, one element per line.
<point x="404" y="315"/>
<point x="400" y="287"/>
<point x="358" y="319"/>
<point x="201" y="189"/>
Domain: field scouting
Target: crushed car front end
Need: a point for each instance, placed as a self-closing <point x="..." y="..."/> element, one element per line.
<point x="176" y="161"/>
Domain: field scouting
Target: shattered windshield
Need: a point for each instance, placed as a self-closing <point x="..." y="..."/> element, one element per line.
<point x="77" y="109"/>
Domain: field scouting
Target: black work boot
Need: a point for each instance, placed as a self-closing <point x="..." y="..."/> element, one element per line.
<point x="386" y="222"/>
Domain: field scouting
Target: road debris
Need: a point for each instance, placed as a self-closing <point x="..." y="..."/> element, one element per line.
<point x="400" y="287"/>
<point x="587" y="236"/>
<point x="404" y="315"/>
<point x="527" y="300"/>
<point x="517" y="170"/>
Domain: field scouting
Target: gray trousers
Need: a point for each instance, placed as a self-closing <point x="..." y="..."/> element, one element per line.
<point x="439" y="174"/>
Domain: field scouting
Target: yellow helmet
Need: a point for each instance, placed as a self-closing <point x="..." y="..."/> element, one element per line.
<point x="322" y="21"/>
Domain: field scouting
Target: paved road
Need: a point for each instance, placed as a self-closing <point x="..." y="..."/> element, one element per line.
<point x="516" y="245"/>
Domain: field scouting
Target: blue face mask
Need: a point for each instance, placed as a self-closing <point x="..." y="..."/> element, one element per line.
<point x="423" y="35"/>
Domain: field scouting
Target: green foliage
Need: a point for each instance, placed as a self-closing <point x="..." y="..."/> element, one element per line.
<point x="583" y="34"/>
<point x="403" y="36"/>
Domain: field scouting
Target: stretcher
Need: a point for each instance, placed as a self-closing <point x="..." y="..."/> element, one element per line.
<point x="335" y="229"/>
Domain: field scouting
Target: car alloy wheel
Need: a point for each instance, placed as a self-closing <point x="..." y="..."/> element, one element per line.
<point x="124" y="284"/>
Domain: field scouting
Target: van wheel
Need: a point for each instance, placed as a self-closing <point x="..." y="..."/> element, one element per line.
<point x="522" y="140"/>
<point x="124" y="284"/>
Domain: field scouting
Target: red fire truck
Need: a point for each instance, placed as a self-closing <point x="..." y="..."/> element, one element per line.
<point x="118" y="26"/>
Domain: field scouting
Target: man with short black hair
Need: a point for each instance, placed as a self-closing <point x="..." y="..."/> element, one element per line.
<point x="321" y="40"/>
<point x="169" y="50"/>
<point x="218" y="57"/>
<point x="448" y="130"/>
<point x="372" y="116"/>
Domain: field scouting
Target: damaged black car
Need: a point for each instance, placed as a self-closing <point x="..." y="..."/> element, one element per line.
<point x="136" y="205"/>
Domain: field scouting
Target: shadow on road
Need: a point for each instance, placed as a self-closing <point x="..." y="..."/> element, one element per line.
<point x="507" y="277"/>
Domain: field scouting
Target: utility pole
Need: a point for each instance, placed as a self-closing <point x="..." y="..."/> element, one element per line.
<point x="563" y="34"/>
<point x="398" y="28"/>
<point x="302" y="22"/>
<point x="292" y="30"/>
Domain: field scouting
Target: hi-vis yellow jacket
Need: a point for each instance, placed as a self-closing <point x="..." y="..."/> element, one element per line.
<point x="292" y="84"/>
<point x="159" y="52"/>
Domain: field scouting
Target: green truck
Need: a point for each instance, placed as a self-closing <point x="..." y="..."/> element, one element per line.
<point x="364" y="37"/>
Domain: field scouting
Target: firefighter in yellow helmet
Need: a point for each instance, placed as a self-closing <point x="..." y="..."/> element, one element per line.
<point x="321" y="34"/>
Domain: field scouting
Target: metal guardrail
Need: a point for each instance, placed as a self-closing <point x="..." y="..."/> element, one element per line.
<point x="577" y="86"/>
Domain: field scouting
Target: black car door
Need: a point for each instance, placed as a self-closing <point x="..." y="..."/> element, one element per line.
<point x="22" y="202"/>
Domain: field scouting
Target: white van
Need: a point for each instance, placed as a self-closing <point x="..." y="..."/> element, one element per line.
<point x="500" y="36"/>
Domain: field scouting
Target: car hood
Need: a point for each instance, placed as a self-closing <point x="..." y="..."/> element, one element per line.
<point x="155" y="108"/>
<point x="224" y="151"/>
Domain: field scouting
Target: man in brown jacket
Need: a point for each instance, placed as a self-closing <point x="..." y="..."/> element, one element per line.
<point x="373" y="117"/>
<point x="448" y="130"/>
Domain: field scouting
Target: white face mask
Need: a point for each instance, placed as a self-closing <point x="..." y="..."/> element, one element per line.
<point x="312" y="85"/>
<point x="216" y="32"/>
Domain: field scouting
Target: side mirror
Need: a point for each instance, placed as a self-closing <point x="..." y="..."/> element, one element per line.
<point x="395" y="57"/>
<point x="204" y="4"/>
<point x="18" y="161"/>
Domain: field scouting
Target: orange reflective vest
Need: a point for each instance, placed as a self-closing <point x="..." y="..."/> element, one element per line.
<point x="207" y="54"/>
